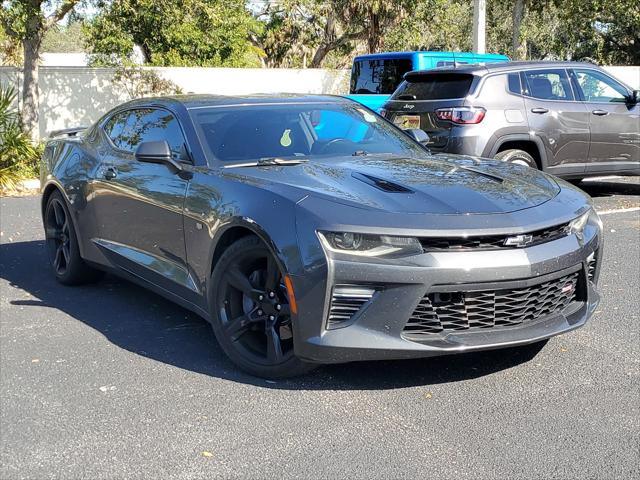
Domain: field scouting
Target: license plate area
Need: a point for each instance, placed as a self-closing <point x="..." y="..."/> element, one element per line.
<point x="407" y="121"/>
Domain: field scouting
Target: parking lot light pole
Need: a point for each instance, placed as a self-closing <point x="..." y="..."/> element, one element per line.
<point x="479" y="25"/>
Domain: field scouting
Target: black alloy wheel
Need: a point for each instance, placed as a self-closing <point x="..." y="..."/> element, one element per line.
<point x="62" y="245"/>
<point x="57" y="235"/>
<point x="252" y="316"/>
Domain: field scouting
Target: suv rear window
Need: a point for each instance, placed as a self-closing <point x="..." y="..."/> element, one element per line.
<point x="378" y="76"/>
<point x="436" y="87"/>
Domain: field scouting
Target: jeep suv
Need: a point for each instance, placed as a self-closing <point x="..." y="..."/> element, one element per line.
<point x="568" y="118"/>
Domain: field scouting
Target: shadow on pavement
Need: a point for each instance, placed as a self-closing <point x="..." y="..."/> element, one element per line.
<point x="610" y="188"/>
<point x="144" y="323"/>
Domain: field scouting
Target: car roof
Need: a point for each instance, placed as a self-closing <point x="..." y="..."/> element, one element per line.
<point x="484" y="69"/>
<point x="428" y="53"/>
<point x="192" y="101"/>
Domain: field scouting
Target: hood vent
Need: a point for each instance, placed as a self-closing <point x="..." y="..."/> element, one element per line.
<point x="381" y="184"/>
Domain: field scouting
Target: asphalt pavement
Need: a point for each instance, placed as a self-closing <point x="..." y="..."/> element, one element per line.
<point x="112" y="381"/>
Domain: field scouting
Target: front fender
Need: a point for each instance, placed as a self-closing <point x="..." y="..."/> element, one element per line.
<point x="214" y="205"/>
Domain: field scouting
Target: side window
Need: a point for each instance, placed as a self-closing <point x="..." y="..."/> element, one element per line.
<point x="513" y="80"/>
<point x="597" y="87"/>
<point x="115" y="125"/>
<point x="378" y="76"/>
<point x="146" y="125"/>
<point x="548" y="84"/>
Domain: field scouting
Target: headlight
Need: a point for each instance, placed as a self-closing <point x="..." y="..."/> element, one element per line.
<point x="371" y="245"/>
<point x="578" y="225"/>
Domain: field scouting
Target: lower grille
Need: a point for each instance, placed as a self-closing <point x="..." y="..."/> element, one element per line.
<point x="346" y="301"/>
<point x="442" y="311"/>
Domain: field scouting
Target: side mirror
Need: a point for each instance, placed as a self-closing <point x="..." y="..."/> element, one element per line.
<point x="158" y="151"/>
<point x="418" y="135"/>
<point x="634" y="97"/>
<point x="153" y="152"/>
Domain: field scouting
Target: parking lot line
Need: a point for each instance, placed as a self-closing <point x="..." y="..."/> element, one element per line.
<point x="618" y="210"/>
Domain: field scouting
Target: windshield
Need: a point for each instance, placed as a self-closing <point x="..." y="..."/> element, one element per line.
<point x="297" y="131"/>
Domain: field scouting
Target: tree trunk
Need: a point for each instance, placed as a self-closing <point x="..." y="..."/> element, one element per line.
<point x="30" y="90"/>
<point x="375" y="38"/>
<point x="517" y="16"/>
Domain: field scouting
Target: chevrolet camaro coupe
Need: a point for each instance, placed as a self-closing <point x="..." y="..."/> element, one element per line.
<point x="309" y="230"/>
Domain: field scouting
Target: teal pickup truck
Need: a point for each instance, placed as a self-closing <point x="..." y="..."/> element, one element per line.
<point x="375" y="77"/>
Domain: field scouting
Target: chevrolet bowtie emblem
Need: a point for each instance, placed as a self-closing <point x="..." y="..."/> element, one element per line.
<point x="518" y="241"/>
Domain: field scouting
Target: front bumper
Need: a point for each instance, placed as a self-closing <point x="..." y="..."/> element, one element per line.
<point x="377" y="331"/>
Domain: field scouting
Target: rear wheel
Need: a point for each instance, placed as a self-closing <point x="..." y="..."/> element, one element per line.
<point x="519" y="157"/>
<point x="62" y="245"/>
<point x="251" y="314"/>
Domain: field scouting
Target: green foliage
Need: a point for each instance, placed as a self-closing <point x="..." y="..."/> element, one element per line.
<point x="18" y="157"/>
<point x="605" y="31"/>
<point x="64" y="38"/>
<point x="434" y="25"/>
<point x="212" y="33"/>
<point x="10" y="51"/>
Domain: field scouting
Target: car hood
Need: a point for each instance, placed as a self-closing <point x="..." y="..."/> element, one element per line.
<point x="436" y="184"/>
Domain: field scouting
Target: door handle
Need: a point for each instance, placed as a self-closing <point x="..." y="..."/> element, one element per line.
<point x="110" y="173"/>
<point x="600" y="113"/>
<point x="539" y="110"/>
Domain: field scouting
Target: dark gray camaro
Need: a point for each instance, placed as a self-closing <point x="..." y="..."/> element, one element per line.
<point x="309" y="230"/>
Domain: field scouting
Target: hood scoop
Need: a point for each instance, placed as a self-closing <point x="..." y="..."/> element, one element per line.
<point x="381" y="184"/>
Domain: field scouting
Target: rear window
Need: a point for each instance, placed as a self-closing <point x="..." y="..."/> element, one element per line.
<point x="436" y="87"/>
<point x="378" y="76"/>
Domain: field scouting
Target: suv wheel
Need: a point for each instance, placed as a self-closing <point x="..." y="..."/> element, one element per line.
<point x="519" y="157"/>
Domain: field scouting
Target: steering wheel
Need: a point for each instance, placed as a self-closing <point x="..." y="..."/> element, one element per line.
<point x="334" y="142"/>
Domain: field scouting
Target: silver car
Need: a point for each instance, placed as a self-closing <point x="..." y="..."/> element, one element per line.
<point x="567" y="118"/>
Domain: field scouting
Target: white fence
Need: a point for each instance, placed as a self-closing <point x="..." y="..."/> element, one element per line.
<point x="75" y="96"/>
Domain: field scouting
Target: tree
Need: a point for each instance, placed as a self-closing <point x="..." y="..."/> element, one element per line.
<point x="25" y="21"/>
<point x="605" y="31"/>
<point x="212" y="33"/>
<point x="316" y="29"/>
<point x="434" y="25"/>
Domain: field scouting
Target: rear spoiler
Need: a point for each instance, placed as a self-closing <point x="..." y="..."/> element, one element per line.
<point x="67" y="132"/>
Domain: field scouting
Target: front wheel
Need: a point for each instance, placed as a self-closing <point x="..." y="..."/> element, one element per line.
<point x="251" y="313"/>
<point x="519" y="157"/>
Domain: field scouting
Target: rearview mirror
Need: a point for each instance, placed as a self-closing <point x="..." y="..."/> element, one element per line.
<point x="158" y="151"/>
<point x="418" y="135"/>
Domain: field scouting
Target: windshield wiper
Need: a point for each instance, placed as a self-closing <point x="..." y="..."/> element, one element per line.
<point x="268" y="162"/>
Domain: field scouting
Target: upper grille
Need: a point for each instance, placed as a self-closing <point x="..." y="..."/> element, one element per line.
<point x="346" y="301"/>
<point x="488" y="308"/>
<point x="489" y="242"/>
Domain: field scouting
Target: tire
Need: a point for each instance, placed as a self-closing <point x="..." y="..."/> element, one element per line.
<point x="250" y="311"/>
<point x="519" y="157"/>
<point x="62" y="245"/>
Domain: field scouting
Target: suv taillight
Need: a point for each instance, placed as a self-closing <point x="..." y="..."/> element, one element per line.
<point x="461" y="115"/>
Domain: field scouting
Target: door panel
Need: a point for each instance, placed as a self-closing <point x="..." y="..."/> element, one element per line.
<point x="140" y="205"/>
<point x="615" y="125"/>
<point x="555" y="117"/>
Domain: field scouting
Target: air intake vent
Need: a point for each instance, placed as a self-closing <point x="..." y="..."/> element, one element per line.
<point x="592" y="262"/>
<point x="346" y="301"/>
<point x="381" y="184"/>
